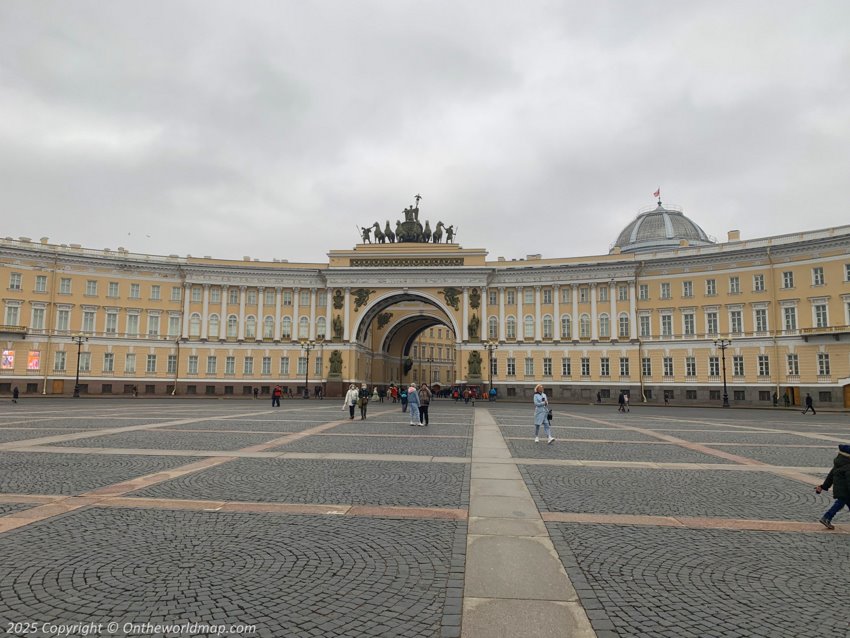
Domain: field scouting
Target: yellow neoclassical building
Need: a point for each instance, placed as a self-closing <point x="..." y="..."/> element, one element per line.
<point x="661" y="316"/>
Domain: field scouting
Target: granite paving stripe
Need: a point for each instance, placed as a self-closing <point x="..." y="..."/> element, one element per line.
<point x="430" y="446"/>
<point x="224" y="425"/>
<point x="711" y="437"/>
<point x="183" y="440"/>
<point x="12" y="508"/>
<point x="613" y="451"/>
<point x="807" y="456"/>
<point x="21" y="434"/>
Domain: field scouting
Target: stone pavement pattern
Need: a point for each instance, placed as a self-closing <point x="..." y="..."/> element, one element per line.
<point x="661" y="522"/>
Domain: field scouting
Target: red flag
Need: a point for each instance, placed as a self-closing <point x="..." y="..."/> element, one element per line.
<point x="657" y="193"/>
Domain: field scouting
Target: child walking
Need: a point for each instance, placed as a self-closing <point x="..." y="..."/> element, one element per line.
<point x="839" y="480"/>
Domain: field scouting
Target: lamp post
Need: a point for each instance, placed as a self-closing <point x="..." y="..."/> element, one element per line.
<point x="78" y="339"/>
<point x="307" y="345"/>
<point x="723" y="344"/>
<point x="490" y="345"/>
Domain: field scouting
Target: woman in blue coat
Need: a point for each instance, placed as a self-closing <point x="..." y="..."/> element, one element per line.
<point x="541" y="414"/>
<point x="413" y="404"/>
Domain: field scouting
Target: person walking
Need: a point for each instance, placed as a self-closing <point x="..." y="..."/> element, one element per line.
<point x="402" y="396"/>
<point x="425" y="395"/>
<point x="809" y="404"/>
<point x="541" y="415"/>
<point x="15" y="394"/>
<point x="413" y="404"/>
<point x="363" y="401"/>
<point x="351" y="400"/>
<point x="839" y="480"/>
<point x="598" y="397"/>
<point x="276" y="394"/>
<point x="621" y="402"/>
<point x="626" y="400"/>
<point x="376" y="396"/>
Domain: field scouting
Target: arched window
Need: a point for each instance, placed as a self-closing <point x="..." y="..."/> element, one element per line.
<point x="566" y="327"/>
<point x="232" y="327"/>
<point x="321" y="328"/>
<point x="268" y="328"/>
<point x="286" y="328"/>
<point x="624" y="325"/>
<point x="195" y="325"/>
<point x="213" y="327"/>
<point x="548" y="327"/>
<point x="492" y="328"/>
<point x="510" y="326"/>
<point x="604" y="326"/>
<point x="528" y="327"/>
<point x="251" y="327"/>
<point x="303" y="328"/>
<point x="584" y="327"/>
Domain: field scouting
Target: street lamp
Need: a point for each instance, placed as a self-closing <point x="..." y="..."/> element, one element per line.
<point x="78" y="339"/>
<point x="307" y="345"/>
<point x="490" y="345"/>
<point x="723" y="344"/>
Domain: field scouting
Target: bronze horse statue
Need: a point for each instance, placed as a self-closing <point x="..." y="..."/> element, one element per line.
<point x="380" y="238"/>
<point x="389" y="233"/>
<point x="437" y="235"/>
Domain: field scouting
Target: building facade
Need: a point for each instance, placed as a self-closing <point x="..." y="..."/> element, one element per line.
<point x="662" y="315"/>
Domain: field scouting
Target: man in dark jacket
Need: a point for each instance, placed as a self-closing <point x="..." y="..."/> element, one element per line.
<point x="839" y="480"/>
<point x="809" y="404"/>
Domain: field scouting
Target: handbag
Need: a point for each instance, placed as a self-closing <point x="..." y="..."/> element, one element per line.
<point x="549" y="415"/>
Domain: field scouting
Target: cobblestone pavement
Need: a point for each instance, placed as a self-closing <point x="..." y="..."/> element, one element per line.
<point x="327" y="540"/>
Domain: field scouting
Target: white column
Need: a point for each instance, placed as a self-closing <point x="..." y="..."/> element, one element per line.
<point x="261" y="325"/>
<point x="484" y="325"/>
<point x="465" y="314"/>
<point x="328" y="316"/>
<point x="241" y="333"/>
<point x="187" y="291"/>
<point x="296" y="294"/>
<point x="346" y="333"/>
<point x="313" y="314"/>
<point x="520" y="320"/>
<point x="222" y="321"/>
<point x="205" y="313"/>
<point x="594" y="325"/>
<point x="277" y="317"/>
<point x="501" y="313"/>
<point x="538" y="332"/>
<point x="615" y="322"/>
<point x="556" y="300"/>
<point x="632" y="312"/>
<point x="575" y="326"/>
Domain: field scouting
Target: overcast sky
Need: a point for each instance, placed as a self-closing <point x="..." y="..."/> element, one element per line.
<point x="273" y="129"/>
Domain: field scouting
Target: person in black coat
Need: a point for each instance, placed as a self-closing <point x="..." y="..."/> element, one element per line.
<point x="809" y="404"/>
<point x="839" y="480"/>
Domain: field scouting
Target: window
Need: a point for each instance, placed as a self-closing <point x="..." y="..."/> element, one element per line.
<point x="645" y="328"/>
<point x="251" y="297"/>
<point x="321" y="328"/>
<point x="510" y="297"/>
<point x="667" y="325"/>
<point x="303" y="328"/>
<point x="153" y="325"/>
<point x="88" y="320"/>
<point x="194" y="325"/>
<point x="284" y="366"/>
<point x="547" y="295"/>
<point x="130" y="363"/>
<point x="317" y="369"/>
<point x="548" y="327"/>
<point x="623" y="293"/>
<point x="646" y="366"/>
<point x="823" y="364"/>
<point x="248" y="366"/>
<point x="691" y="394"/>
<point x="788" y="279"/>
<point x="566" y="367"/>
<point x="528" y="327"/>
<point x="624" y="366"/>
<point x="665" y="291"/>
<point x="492" y="328"/>
<point x="286" y="328"/>
<point x="583" y="295"/>
<point x="764" y="365"/>
<point x="232" y="326"/>
<point x="825" y="396"/>
<point x="528" y="295"/>
<point x="734" y="285"/>
<point x="212" y="364"/>
<point x="643" y="292"/>
<point x="232" y="295"/>
<point x="790" y="316"/>
<point x="821" y="318"/>
<point x="59" y="361"/>
<point x="585" y="366"/>
<point x="150" y="365"/>
<point x="817" y="276"/>
<point x="605" y="367"/>
<point x="176" y="293"/>
<point x="91" y="288"/>
<point x="711" y="323"/>
<point x="41" y="283"/>
<point x="213" y="327"/>
<point x="793" y="364"/>
<point x="760" y="315"/>
<point x="85" y="361"/>
<point x="603" y="293"/>
<point x="668" y="366"/>
<point x="63" y="320"/>
<point x="714" y="366"/>
<point x="112" y="289"/>
<point x="65" y="286"/>
<point x="287" y="297"/>
<point x="111" y="322"/>
<point x="566" y="293"/>
<point x="740" y="395"/>
<point x="846" y="272"/>
<point x="584" y="326"/>
<point x="12" y="313"/>
<point x="494" y="367"/>
<point x="268" y="328"/>
<point x="267" y="365"/>
<point x="156" y="293"/>
<point x="173" y="325"/>
<point x="758" y="283"/>
<point x="736" y="322"/>
<point x="215" y="295"/>
<point x="268" y="297"/>
<point x="511" y="371"/>
<point x="136" y="292"/>
<point x="510" y="326"/>
<point x="193" y="364"/>
<point x="171" y="364"/>
<point x="566" y="327"/>
<point x="108" y="362"/>
<point x="37" y="319"/>
<point x="710" y="287"/>
<point x="492" y="297"/>
<point x="623" y="326"/>
<point x="689" y="323"/>
<point x="690" y="366"/>
<point x="251" y="327"/>
<point x="529" y="367"/>
<point x="738" y="365"/>
<point x="604" y="326"/>
<point x="230" y="365"/>
<point x="304" y="298"/>
<point x="687" y="289"/>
